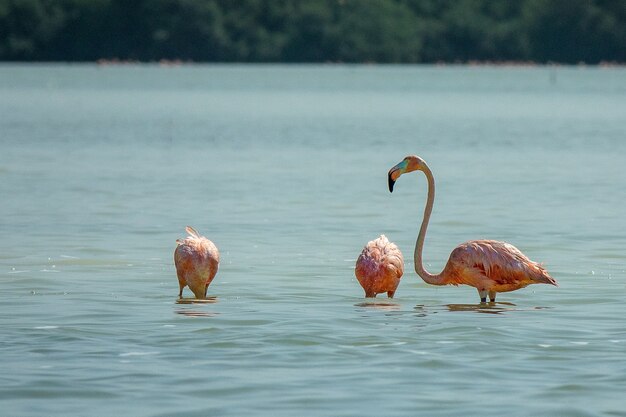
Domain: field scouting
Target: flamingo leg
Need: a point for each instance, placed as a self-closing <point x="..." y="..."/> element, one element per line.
<point x="180" y="293"/>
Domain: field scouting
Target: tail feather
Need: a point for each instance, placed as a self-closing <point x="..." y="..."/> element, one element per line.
<point x="545" y="278"/>
<point x="192" y="231"/>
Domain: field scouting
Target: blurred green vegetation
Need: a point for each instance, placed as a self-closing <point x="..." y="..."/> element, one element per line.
<point x="383" y="31"/>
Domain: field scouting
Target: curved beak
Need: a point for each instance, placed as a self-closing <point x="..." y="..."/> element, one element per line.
<point x="391" y="181"/>
<point x="394" y="173"/>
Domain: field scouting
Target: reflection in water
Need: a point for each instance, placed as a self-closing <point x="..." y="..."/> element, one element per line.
<point x="379" y="305"/>
<point x="196" y="313"/>
<point x="208" y="300"/>
<point x="488" y="308"/>
<point x="421" y="310"/>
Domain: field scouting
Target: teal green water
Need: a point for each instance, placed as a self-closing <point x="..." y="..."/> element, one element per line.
<point x="284" y="168"/>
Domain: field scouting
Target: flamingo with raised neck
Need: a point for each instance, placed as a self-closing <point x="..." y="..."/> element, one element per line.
<point x="489" y="266"/>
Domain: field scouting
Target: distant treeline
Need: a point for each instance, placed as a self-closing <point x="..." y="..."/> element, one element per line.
<point x="383" y="31"/>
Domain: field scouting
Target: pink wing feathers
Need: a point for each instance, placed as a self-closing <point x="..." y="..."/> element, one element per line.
<point x="494" y="266"/>
<point x="379" y="267"/>
<point x="196" y="259"/>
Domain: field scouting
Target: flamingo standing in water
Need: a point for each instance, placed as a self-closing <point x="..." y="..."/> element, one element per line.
<point x="196" y="259"/>
<point x="379" y="267"/>
<point x="488" y="265"/>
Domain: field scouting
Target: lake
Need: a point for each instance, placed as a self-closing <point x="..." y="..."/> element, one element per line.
<point x="285" y="169"/>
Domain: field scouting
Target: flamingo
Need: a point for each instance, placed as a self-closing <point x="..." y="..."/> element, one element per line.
<point x="379" y="267"/>
<point x="196" y="259"/>
<point x="489" y="266"/>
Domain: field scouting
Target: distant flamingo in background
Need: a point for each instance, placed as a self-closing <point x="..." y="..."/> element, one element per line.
<point x="488" y="265"/>
<point x="379" y="267"/>
<point x="196" y="259"/>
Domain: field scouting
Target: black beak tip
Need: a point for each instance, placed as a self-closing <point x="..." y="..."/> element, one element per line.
<point x="391" y="183"/>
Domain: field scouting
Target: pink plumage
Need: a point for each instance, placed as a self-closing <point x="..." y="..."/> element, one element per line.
<point x="492" y="267"/>
<point x="488" y="265"/>
<point x="196" y="259"/>
<point x="379" y="267"/>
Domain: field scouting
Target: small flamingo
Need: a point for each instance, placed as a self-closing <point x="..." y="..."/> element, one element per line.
<point x="196" y="259"/>
<point x="379" y="267"/>
<point x="488" y="265"/>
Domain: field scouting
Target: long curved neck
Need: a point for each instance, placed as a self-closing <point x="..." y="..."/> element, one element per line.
<point x="419" y="245"/>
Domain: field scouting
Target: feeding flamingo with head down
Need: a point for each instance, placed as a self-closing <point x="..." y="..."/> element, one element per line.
<point x="196" y="259"/>
<point x="488" y="265"/>
<point x="379" y="267"/>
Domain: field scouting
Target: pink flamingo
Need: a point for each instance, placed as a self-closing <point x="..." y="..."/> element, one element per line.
<point x="196" y="259"/>
<point x="488" y="265"/>
<point x="379" y="267"/>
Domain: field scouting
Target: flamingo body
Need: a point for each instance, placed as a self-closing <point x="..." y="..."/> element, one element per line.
<point x="379" y="267"/>
<point x="488" y="265"/>
<point x="492" y="267"/>
<point x="196" y="259"/>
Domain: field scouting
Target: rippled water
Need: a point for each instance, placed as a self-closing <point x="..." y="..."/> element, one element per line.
<point x="284" y="168"/>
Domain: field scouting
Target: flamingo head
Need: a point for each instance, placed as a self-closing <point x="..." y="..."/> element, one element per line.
<point x="408" y="164"/>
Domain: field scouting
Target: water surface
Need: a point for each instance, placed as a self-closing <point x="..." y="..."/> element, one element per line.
<point x="284" y="168"/>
